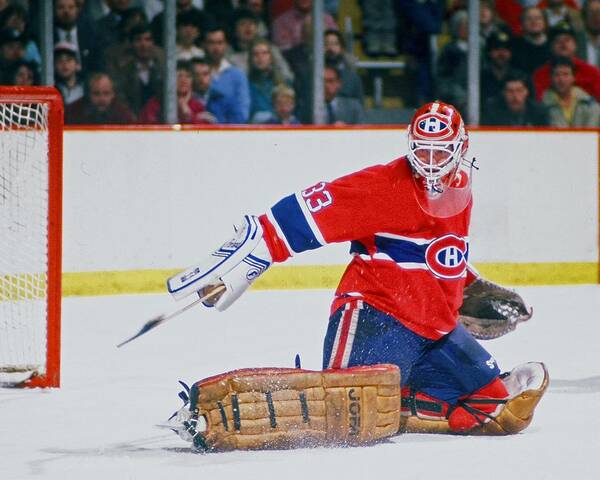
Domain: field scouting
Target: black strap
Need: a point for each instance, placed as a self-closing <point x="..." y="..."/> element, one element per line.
<point x="235" y="406"/>
<point x="223" y="416"/>
<point x="271" y="409"/>
<point x="304" y="406"/>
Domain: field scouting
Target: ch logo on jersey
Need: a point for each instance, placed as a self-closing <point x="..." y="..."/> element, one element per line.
<point x="446" y="256"/>
<point x="433" y="127"/>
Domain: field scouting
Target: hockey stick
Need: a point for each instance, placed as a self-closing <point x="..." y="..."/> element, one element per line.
<point x="156" y="321"/>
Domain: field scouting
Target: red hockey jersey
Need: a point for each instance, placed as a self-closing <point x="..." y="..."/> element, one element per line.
<point x="405" y="262"/>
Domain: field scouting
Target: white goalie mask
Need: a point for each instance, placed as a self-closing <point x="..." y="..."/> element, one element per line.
<point x="438" y="142"/>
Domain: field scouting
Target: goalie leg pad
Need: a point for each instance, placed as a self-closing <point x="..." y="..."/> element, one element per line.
<point x="285" y="408"/>
<point x="525" y="384"/>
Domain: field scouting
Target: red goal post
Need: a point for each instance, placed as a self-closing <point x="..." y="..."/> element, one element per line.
<point x="31" y="131"/>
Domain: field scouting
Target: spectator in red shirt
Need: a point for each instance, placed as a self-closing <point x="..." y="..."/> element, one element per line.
<point x="563" y="44"/>
<point x="189" y="110"/>
<point x="99" y="105"/>
<point x="287" y="28"/>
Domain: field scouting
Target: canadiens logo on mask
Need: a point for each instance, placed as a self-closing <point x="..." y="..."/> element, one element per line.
<point x="433" y="127"/>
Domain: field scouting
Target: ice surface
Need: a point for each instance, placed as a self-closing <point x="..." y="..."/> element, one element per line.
<point x="100" y="424"/>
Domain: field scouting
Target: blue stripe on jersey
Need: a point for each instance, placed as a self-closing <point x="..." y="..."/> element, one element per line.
<point x="401" y="251"/>
<point x="294" y="226"/>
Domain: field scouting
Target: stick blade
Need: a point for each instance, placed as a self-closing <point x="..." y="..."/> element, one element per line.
<point x="149" y="325"/>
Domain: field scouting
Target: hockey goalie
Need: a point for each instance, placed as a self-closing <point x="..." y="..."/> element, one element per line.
<point x="401" y="352"/>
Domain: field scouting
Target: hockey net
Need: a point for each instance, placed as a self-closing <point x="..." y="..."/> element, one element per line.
<point x="30" y="235"/>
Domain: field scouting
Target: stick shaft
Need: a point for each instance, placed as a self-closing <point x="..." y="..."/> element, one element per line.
<point x="156" y="321"/>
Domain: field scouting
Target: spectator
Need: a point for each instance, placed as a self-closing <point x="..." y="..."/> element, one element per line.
<point x="245" y="33"/>
<point x="214" y="103"/>
<point x="379" y="24"/>
<point x="562" y="44"/>
<point x="263" y="77"/>
<point x="182" y="6"/>
<point x="514" y="107"/>
<point x="139" y="72"/>
<point x="489" y="22"/>
<point x="15" y="17"/>
<point x="498" y="65"/>
<point x="452" y="63"/>
<point x="12" y="50"/>
<point x="588" y="43"/>
<point x="72" y="28"/>
<point x="66" y="69"/>
<point x="23" y="74"/>
<point x="284" y="103"/>
<point x="189" y="110"/>
<point x="420" y="20"/>
<point x="189" y="29"/>
<point x="287" y="28"/>
<point x="107" y="28"/>
<point x="557" y="12"/>
<point x="227" y="80"/>
<point x="530" y="51"/>
<point x="131" y="19"/>
<point x="336" y="56"/>
<point x="568" y="105"/>
<point x="340" y="110"/>
<point x="99" y="105"/>
<point x="258" y="9"/>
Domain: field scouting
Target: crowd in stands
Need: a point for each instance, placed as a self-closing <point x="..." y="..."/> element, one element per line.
<point x="248" y="61"/>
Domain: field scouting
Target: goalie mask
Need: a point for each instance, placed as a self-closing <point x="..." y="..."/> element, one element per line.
<point x="438" y="142"/>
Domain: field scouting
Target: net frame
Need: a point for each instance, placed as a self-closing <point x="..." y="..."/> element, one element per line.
<point x="50" y="96"/>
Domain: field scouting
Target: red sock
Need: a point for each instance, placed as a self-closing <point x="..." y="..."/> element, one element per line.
<point x="461" y="420"/>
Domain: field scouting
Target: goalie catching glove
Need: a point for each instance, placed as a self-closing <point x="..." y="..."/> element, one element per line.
<point x="285" y="408"/>
<point x="490" y="311"/>
<point x="236" y="264"/>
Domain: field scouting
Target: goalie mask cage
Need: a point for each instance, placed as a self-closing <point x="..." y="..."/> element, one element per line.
<point x="31" y="121"/>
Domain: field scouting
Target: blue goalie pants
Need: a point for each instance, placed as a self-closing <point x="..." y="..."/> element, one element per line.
<point x="447" y="369"/>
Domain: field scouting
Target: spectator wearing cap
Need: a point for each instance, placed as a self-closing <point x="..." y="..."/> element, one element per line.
<point x="284" y="103"/>
<point x="245" y="33"/>
<point x="336" y="56"/>
<point x="227" y="80"/>
<point x="588" y="42"/>
<point x="70" y="27"/>
<point x="287" y="28"/>
<point x="138" y="73"/>
<point x="12" y="50"/>
<point x="15" y="17"/>
<point x="514" y="105"/>
<point x="562" y="44"/>
<point x="67" y="72"/>
<point x="567" y="104"/>
<point x="189" y="110"/>
<point x="557" y="11"/>
<point x="530" y="50"/>
<point x="189" y="29"/>
<point x="498" y="65"/>
<point x="100" y="105"/>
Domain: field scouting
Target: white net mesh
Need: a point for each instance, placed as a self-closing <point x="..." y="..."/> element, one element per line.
<point x="24" y="165"/>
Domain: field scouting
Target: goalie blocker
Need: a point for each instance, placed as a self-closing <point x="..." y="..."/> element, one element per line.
<point x="236" y="264"/>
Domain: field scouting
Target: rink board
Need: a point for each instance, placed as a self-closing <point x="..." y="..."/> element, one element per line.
<point x="139" y="204"/>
